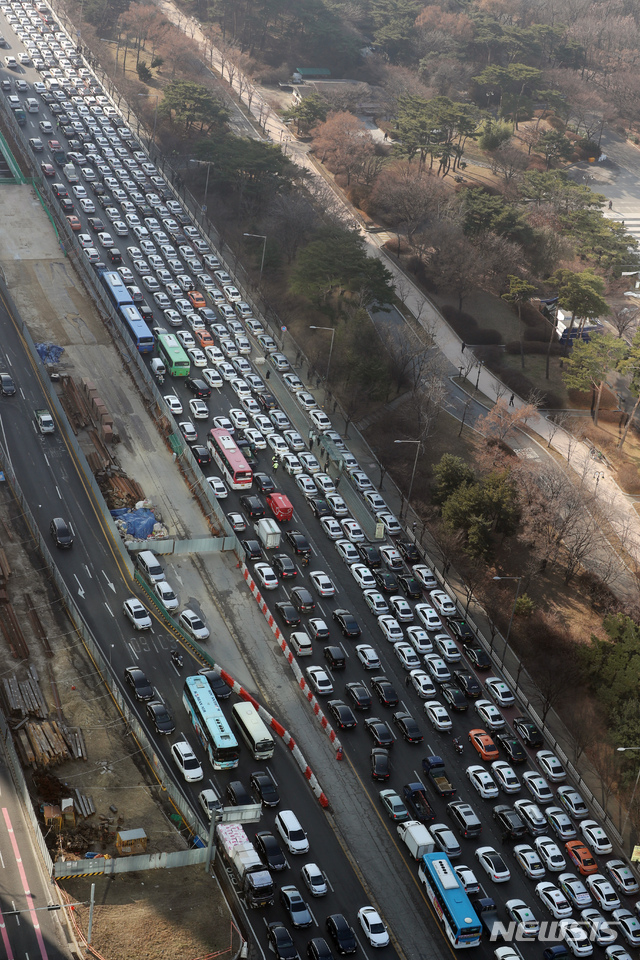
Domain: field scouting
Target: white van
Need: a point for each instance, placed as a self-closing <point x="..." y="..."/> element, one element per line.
<point x="290" y="829"/>
<point x="31" y="105"/>
<point x="300" y="643"/>
<point x="158" y="368"/>
<point x="148" y="564"/>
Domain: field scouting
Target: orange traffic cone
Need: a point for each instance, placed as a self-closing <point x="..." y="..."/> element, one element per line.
<point x="339" y="753"/>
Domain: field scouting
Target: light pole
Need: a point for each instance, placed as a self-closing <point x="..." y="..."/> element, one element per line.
<point x="515" y="601"/>
<point x="259" y="236"/>
<point x="156" y="96"/>
<point x="633" y="795"/>
<point x="208" y="164"/>
<point x="418" y="444"/>
<point x="332" y="331"/>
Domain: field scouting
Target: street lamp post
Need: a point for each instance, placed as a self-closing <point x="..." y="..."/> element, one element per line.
<point x="259" y="236"/>
<point x="515" y="601"/>
<point x="332" y="331"/>
<point x="418" y="444"/>
<point x="633" y="795"/>
<point x="208" y="164"/>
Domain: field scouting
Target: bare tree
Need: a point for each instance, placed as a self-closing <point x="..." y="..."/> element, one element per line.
<point x="556" y="421"/>
<point x="503" y="420"/>
<point x="583" y="725"/>
<point x="508" y="161"/>
<point x="623" y="319"/>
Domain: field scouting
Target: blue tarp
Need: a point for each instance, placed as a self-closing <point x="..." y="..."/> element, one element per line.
<point x="140" y="523"/>
<point x="49" y="352"/>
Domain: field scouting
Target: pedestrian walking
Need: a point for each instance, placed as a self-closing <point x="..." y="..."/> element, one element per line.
<point x="464" y="347"/>
<point x="311" y="439"/>
<point x="317" y="382"/>
<point x="335" y="406"/>
<point x="275" y="464"/>
<point x="337" y="481"/>
<point x="610" y="204"/>
<point x="267" y="374"/>
<point x="511" y="400"/>
<point x="413" y="526"/>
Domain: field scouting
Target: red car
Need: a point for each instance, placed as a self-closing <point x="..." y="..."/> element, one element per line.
<point x="54" y="145"/>
<point x="482" y="742"/>
<point x="47" y="169"/>
<point x="74" y="223"/>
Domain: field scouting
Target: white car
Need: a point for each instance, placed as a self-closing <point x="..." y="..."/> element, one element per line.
<point x="401" y="609"/>
<point x="493" y="864"/>
<point x="529" y="861"/>
<point x="537" y="786"/>
<point x="186" y="761"/>
<point x="573" y="803"/>
<point x="165" y="595"/>
<point x="293" y="467"/>
<point x="219" y="487"/>
<point x="199" y="409"/>
<point x="331" y="527"/>
<point x="499" y="692"/>
<point x="490" y="714"/>
<point x="616" y="952"/>
<point x="406" y="655"/>
<point x="393" y="632"/>
<point x="320" y="419"/>
<point x="551" y="766"/>
<point x="598" y="928"/>
<point x="443" y="603"/>
<point x="315" y="880"/>
<point x="437" y="668"/>
<point x="553" y="899"/>
<point x="419" y="639"/>
<point x="531" y="814"/>
<point x="197" y="357"/>
<point x="305" y="483"/>
<point x="447" y="648"/>
<point x="323" y="584"/>
<point x="352" y="530"/>
<point x="293" y="383"/>
<point x="550" y="854"/>
<point x="595" y="836"/>
<point x="425" y="575"/>
<point x="193" y="625"/>
<point x="505" y="777"/>
<point x="364" y="578"/>
<point x="255" y="437"/>
<point x="390" y="523"/>
<point x="137" y="613"/>
<point x="173" y="402"/>
<point x="212" y="378"/>
<point x="467" y="878"/>
<point x="392" y="558"/>
<point x="438" y="715"/>
<point x="337" y="505"/>
<point x="428" y="616"/>
<point x="621" y="876"/>
<point x="361" y="481"/>
<point x="376" y="602"/>
<point x="373" y="927"/>
<point x="310" y="463"/>
<point x="238" y="418"/>
<point x="292" y="438"/>
<point x="628" y="925"/>
<point x="188" y="431"/>
<point x="528" y="926"/>
<point x="576" y="938"/>
<point x="560" y="823"/>
<point x="266" y="576"/>
<point x="348" y="552"/>
<point x="319" y="679"/>
<point x="482" y="781"/>
<point x="422" y="684"/>
<point x="367" y="656"/>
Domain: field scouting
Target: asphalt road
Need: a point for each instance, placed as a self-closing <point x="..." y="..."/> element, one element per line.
<point x="54" y="487"/>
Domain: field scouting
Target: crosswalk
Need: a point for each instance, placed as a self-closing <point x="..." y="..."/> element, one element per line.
<point x="631" y="222"/>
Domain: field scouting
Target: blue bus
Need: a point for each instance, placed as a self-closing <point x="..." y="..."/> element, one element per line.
<point x="138" y="330"/>
<point x="116" y="288"/>
<point x="209" y="723"/>
<point x="450" y="902"/>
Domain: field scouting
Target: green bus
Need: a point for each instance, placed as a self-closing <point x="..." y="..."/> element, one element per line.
<point x="173" y="355"/>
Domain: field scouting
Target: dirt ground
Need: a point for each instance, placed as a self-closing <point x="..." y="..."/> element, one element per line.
<point x="139" y="915"/>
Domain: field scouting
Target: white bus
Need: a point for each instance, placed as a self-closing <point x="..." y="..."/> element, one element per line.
<point x="253" y="731"/>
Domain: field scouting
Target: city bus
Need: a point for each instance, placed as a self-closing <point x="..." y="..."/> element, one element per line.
<point x="253" y="730"/>
<point x="224" y="450"/>
<point x="137" y="328"/>
<point x="116" y="288"/>
<point x="210" y="724"/>
<point x="450" y="903"/>
<point x="173" y="356"/>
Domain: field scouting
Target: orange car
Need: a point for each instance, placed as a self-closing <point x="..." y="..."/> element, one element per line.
<point x="582" y="857"/>
<point x="204" y="338"/>
<point x="483" y="743"/>
<point x="75" y="224"/>
<point x="196" y="299"/>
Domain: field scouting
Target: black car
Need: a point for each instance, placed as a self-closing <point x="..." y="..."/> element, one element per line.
<point x="468" y="683"/>
<point x="454" y="697"/>
<point x="284" y="566"/>
<point x="298" y="542"/>
<point x="61" y="533"/>
<point x="379" y="731"/>
<point x="509" y="821"/>
<point x="137" y="680"/>
<point x="67" y="205"/>
<point x="287" y="613"/>
<point x="380" y="764"/>
<point x="385" y="581"/>
<point x="302" y="600"/>
<point x="267" y="401"/>
<point x="238" y="794"/>
<point x="7" y="386"/>
<point x="96" y="224"/>
<point x="219" y="687"/>
<point x="59" y="190"/>
<point x="252" y="549"/>
<point x="264" y="483"/>
<point x="281" y="941"/>
<point x="409" y="551"/>
<point x="114" y="256"/>
<point x="200" y="389"/>
<point x="145" y="312"/>
<point x="343" y="937"/>
<point x="264" y="788"/>
<point x="408" y="727"/>
<point x="160" y="717"/>
<point x="461" y="630"/>
<point x="528" y="731"/>
<point x="342" y="714"/>
<point x="369" y="555"/>
<point x="347" y="623"/>
<point x="202" y="455"/>
<point x="478" y="657"/>
<point x="512" y="747"/>
<point x="385" y="691"/>
<point x="252" y="506"/>
<point x="319" y="949"/>
<point x="411" y="587"/>
<point x="359" y="694"/>
<point x="335" y="657"/>
<point x="269" y="850"/>
<point x="320" y="508"/>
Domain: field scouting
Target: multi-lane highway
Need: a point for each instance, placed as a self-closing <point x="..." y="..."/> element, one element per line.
<point x="55" y="487"/>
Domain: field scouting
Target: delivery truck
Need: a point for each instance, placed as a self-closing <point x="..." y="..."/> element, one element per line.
<point x="269" y="533"/>
<point x="254" y="880"/>
<point x="416" y="837"/>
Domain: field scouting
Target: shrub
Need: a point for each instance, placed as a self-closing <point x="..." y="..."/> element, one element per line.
<point x="588" y="148"/>
<point x="144" y="73"/>
<point x="524" y="605"/>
